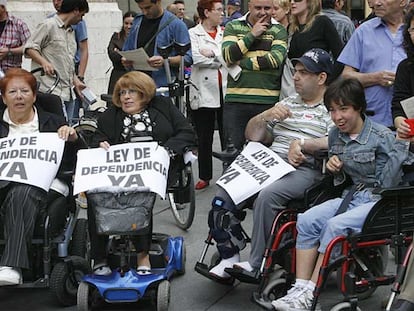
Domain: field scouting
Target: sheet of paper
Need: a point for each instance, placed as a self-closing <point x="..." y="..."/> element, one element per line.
<point x="408" y="106"/>
<point x="139" y="57"/>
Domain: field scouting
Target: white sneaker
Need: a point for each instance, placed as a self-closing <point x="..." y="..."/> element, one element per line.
<point x="245" y="265"/>
<point x="143" y="270"/>
<point x="297" y="299"/>
<point x="10" y="276"/>
<point x="102" y="269"/>
<point x="218" y="271"/>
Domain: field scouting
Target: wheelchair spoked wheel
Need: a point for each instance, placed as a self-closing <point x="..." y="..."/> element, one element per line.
<point x="64" y="281"/>
<point x="344" y="306"/>
<point x="375" y="259"/>
<point x="163" y="295"/>
<point x="85" y="132"/>
<point x="276" y="286"/>
<point x="181" y="197"/>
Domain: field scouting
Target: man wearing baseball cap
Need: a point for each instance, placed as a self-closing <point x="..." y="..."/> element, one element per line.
<point x="233" y="11"/>
<point x="13" y="35"/>
<point x="294" y="128"/>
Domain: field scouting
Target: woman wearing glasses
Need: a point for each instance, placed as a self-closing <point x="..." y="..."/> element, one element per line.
<point x="209" y="79"/>
<point x="137" y="113"/>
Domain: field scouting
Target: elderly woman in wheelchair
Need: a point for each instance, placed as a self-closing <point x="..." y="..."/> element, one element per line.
<point x="21" y="203"/>
<point x="138" y="115"/>
<point x="372" y="157"/>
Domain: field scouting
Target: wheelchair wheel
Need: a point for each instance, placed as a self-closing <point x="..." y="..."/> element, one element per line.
<point x="343" y="306"/>
<point x="371" y="263"/>
<point x="276" y="286"/>
<point x="85" y="132"/>
<point x="64" y="284"/>
<point x="163" y="296"/>
<point x="40" y="72"/>
<point x="182" y="198"/>
<point x="79" y="245"/>
<point x="83" y="297"/>
<point x="183" y="260"/>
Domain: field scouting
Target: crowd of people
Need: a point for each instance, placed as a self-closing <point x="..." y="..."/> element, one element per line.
<point x="295" y="76"/>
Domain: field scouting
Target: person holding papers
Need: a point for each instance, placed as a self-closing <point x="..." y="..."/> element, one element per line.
<point x="371" y="156"/>
<point x="156" y="28"/>
<point x="20" y="203"/>
<point x="293" y="128"/>
<point x="138" y="115"/>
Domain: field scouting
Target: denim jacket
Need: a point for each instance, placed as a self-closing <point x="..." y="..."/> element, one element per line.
<point x="373" y="158"/>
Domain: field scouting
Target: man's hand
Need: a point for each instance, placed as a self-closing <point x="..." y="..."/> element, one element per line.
<point x="155" y="61"/>
<point x="48" y="68"/>
<point x="334" y="165"/>
<point x="261" y="26"/>
<point x="386" y="78"/>
<point x="278" y="112"/>
<point x="295" y="154"/>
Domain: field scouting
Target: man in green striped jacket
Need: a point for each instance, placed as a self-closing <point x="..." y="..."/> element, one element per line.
<point x="258" y="44"/>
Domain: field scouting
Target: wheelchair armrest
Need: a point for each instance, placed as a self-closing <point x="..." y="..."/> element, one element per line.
<point x="395" y="191"/>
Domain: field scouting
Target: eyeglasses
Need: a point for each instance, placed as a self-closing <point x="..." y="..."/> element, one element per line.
<point x="297" y="1"/>
<point x="130" y="92"/>
<point x="14" y="92"/>
<point x="410" y="30"/>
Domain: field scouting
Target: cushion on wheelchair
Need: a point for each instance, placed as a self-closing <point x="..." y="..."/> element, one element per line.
<point x="127" y="213"/>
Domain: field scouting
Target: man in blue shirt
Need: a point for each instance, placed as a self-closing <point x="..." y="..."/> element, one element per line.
<point x="156" y="27"/>
<point x="374" y="61"/>
<point x="233" y="11"/>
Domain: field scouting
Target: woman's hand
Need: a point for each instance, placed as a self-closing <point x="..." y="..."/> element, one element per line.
<point x="105" y="145"/>
<point x="402" y="128"/>
<point x="334" y="164"/>
<point x="207" y="53"/>
<point x="295" y="154"/>
<point x="67" y="133"/>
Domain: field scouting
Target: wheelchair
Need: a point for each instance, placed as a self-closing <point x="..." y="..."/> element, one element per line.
<point x="59" y="248"/>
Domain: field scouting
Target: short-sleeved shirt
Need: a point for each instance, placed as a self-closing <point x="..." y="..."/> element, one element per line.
<point x="15" y="34"/>
<point x="57" y="44"/>
<point x="366" y="54"/>
<point x="81" y="34"/>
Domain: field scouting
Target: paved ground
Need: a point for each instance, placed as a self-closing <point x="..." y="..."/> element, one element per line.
<point x="190" y="291"/>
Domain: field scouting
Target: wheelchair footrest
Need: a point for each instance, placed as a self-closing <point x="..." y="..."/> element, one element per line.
<point x="203" y="269"/>
<point x="376" y="281"/>
<point x="244" y="276"/>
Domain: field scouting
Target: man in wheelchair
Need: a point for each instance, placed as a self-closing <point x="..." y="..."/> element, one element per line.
<point x="295" y="128"/>
<point x="21" y="203"/>
<point x="372" y="157"/>
<point x="136" y="114"/>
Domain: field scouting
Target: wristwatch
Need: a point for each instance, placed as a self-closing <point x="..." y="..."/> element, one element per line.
<point x="9" y="53"/>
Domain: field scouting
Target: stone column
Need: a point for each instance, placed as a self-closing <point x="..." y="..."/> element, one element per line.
<point x="103" y="19"/>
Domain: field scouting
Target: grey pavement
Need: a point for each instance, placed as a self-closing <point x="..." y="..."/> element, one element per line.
<point x="190" y="291"/>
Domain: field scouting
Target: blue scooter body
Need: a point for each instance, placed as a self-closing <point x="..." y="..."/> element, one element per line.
<point x="130" y="286"/>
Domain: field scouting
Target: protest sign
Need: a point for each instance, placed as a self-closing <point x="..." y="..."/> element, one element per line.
<point x="31" y="159"/>
<point x="141" y="165"/>
<point x="254" y="168"/>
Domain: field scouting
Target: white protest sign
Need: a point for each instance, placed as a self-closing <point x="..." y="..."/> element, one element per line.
<point x="254" y="168"/>
<point x="130" y="165"/>
<point x="31" y="159"/>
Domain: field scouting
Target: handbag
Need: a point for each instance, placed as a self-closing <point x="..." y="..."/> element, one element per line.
<point x="287" y="87"/>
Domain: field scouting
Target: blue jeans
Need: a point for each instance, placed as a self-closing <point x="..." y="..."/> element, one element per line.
<point x="69" y="108"/>
<point x="319" y="225"/>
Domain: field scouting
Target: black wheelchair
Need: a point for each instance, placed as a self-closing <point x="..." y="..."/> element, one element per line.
<point x="59" y="248"/>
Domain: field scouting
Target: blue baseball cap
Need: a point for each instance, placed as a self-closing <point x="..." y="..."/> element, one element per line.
<point x="316" y="61"/>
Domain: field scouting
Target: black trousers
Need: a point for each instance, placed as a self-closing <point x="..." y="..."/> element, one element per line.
<point x="204" y="121"/>
<point x="20" y="205"/>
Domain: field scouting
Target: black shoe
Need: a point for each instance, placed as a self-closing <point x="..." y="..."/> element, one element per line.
<point x="403" y="305"/>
